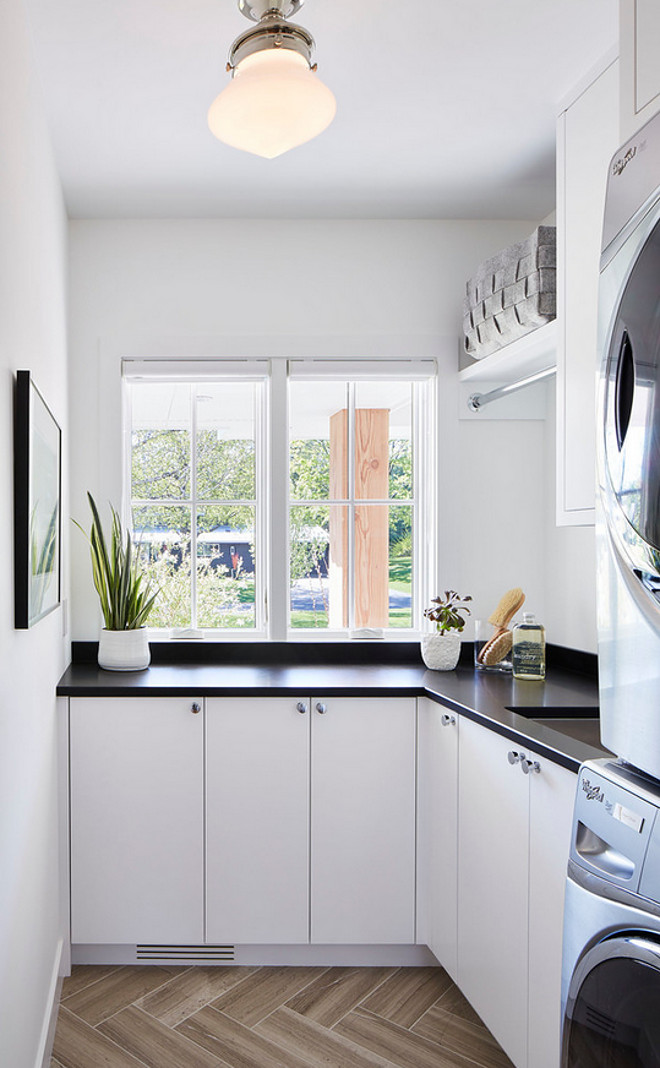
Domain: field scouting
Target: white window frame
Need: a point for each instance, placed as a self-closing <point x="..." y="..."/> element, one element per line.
<point x="272" y="591"/>
<point x="423" y="375"/>
<point x="196" y="372"/>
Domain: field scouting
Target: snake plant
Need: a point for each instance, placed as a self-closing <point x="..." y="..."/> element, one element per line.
<point x="125" y="594"/>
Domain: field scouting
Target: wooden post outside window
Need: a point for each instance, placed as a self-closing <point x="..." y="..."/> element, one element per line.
<point x="371" y="551"/>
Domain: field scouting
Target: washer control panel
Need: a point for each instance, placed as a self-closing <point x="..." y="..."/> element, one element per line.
<point x="614" y="825"/>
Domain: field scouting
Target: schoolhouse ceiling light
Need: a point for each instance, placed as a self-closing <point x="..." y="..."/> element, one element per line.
<point x="274" y="101"/>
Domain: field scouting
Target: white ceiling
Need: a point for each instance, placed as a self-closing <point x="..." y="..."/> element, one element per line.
<point x="445" y="109"/>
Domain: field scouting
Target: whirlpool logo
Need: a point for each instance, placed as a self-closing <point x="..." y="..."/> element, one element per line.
<point x="594" y="793"/>
<point x="619" y="165"/>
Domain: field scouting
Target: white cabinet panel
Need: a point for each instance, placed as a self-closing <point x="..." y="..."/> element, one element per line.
<point x="552" y="794"/>
<point x="587" y="137"/>
<point x="137" y="817"/>
<point x="257" y="827"/>
<point x="363" y="821"/>
<point x="493" y="865"/>
<point x="640" y="70"/>
<point x="437" y="831"/>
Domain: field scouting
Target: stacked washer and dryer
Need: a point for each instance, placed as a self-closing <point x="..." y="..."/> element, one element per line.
<point x="611" y="966"/>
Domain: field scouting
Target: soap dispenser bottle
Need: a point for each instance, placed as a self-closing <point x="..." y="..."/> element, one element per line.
<point x="528" y="649"/>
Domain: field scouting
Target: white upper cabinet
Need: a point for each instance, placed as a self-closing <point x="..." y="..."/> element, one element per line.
<point x="587" y="137"/>
<point x="640" y="69"/>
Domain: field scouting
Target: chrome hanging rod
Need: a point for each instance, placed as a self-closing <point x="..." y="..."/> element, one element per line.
<point x="476" y="401"/>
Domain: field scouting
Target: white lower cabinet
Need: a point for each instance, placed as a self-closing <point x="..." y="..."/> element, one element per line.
<point x="551" y="800"/>
<point x="362" y="873"/>
<point x="257" y="821"/>
<point x="514" y="834"/>
<point x="437" y="832"/>
<point x="311" y="820"/>
<point x="137" y="818"/>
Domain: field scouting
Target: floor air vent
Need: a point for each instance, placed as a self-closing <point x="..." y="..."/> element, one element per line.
<point x="186" y="954"/>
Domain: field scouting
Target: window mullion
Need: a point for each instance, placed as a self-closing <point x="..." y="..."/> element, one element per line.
<point x="193" y="515"/>
<point x="279" y="555"/>
<point x="350" y="432"/>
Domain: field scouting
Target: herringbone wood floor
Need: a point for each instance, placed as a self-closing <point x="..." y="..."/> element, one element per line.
<point x="239" y="1017"/>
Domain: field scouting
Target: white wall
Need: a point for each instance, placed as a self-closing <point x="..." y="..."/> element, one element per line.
<point x="33" y="337"/>
<point x="570" y="569"/>
<point x="303" y="288"/>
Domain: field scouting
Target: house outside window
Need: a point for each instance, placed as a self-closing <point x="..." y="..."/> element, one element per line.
<point x="267" y="512"/>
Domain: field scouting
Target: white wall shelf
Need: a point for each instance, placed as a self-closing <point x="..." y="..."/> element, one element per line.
<point x="533" y="352"/>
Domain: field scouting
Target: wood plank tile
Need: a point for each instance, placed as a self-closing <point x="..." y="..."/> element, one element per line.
<point x="470" y="1039"/>
<point x="115" y="991"/>
<point x="153" y="1043"/>
<point x="236" y="1045"/>
<point x="407" y="994"/>
<point x="319" y="1047"/>
<point x="263" y="992"/>
<point x="403" y="1048"/>
<point x="454" y="1001"/>
<point x="83" y="975"/>
<point x="188" y="993"/>
<point x="77" y="1045"/>
<point x="336" y="992"/>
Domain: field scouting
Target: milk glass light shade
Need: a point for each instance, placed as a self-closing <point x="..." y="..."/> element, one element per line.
<point x="273" y="103"/>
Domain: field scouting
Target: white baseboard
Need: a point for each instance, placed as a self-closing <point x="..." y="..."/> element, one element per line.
<point x="47" y="1036"/>
<point x="266" y="955"/>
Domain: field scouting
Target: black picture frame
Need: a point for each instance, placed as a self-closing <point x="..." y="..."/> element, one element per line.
<point x="37" y="505"/>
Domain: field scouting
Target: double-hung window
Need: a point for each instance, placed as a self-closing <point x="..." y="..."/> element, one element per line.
<point x="343" y="545"/>
<point x="195" y="468"/>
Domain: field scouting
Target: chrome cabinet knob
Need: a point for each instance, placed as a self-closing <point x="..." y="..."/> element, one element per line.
<point x="447" y="720"/>
<point x="301" y="707"/>
<point x="195" y="708"/>
<point x="529" y="767"/>
<point x="321" y="707"/>
<point x="515" y="758"/>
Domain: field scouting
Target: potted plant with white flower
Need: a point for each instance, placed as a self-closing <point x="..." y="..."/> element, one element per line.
<point x="125" y="594"/>
<point x="441" y="650"/>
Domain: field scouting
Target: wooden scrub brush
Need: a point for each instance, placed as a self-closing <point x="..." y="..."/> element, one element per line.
<point x="500" y="644"/>
<point x="497" y="648"/>
<point x="510" y="603"/>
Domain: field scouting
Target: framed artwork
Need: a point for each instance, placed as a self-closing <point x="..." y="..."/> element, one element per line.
<point x="37" y="505"/>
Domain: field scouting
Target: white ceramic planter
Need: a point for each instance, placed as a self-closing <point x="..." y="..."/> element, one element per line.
<point x="124" y="650"/>
<point x="440" y="652"/>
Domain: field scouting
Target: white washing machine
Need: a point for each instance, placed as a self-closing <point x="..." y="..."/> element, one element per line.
<point x="611" y="963"/>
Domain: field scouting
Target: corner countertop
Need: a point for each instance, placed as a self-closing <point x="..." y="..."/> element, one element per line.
<point x="484" y="697"/>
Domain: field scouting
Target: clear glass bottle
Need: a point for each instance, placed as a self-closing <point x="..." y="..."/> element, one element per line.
<point x="528" y="651"/>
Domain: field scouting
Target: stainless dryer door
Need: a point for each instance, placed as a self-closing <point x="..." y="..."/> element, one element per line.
<point x="632" y="411"/>
<point x="613" y="1008"/>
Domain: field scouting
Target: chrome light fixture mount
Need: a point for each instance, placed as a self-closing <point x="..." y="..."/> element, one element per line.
<point x="272" y="104"/>
<point x="273" y="31"/>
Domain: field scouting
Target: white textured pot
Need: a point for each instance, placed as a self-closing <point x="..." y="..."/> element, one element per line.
<point x="440" y="652"/>
<point x="124" y="650"/>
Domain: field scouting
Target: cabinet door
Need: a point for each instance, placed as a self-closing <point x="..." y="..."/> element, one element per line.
<point x="640" y="70"/>
<point x="437" y="831"/>
<point x="493" y="862"/>
<point x="257" y="823"/>
<point x="552" y="795"/>
<point x="137" y="817"/>
<point x="587" y="136"/>
<point x="363" y="821"/>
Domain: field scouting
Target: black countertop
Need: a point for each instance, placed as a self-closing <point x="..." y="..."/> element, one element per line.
<point x="481" y="696"/>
